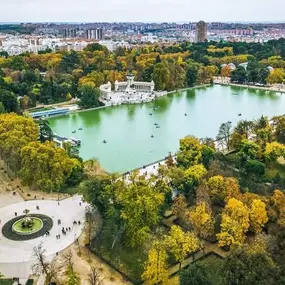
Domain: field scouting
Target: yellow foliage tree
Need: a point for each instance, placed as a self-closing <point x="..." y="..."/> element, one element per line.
<point x="180" y="243"/>
<point x="15" y="133"/>
<point x="274" y="150"/>
<point x="221" y="189"/>
<point x="258" y="215"/>
<point x="201" y="219"/>
<point x="278" y="200"/>
<point x="235" y="224"/>
<point x="226" y="71"/>
<point x="46" y="165"/>
<point x="276" y="76"/>
<point x="155" y="269"/>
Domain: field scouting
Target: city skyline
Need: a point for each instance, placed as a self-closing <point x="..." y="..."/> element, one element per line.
<point x="149" y="11"/>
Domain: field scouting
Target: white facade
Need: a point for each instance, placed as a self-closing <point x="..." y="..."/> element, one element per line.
<point x="129" y="91"/>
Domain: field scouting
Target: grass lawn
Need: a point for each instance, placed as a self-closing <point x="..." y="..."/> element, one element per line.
<point x="6" y="282"/>
<point x="212" y="265"/>
<point x="125" y="259"/>
<point x="39" y="109"/>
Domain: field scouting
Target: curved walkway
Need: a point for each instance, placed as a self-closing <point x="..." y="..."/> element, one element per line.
<point x="16" y="256"/>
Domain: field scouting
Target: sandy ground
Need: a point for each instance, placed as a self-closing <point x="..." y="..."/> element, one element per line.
<point x="83" y="259"/>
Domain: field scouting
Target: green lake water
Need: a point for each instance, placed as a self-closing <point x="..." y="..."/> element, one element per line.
<point x="128" y="128"/>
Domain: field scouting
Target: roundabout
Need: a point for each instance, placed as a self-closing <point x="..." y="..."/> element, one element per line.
<point x="43" y="224"/>
<point x="25" y="228"/>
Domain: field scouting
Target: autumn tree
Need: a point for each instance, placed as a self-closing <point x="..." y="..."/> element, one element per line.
<point x="221" y="189"/>
<point x="235" y="224"/>
<point x="278" y="203"/>
<point x="201" y="219"/>
<point x="276" y="76"/>
<point x="257" y="215"/>
<point x="192" y="177"/>
<point x="140" y="204"/>
<point x="155" y="268"/>
<point x="180" y="243"/>
<point x="190" y="152"/>
<point x="273" y="151"/>
<point x="46" y="165"/>
<point x="15" y="133"/>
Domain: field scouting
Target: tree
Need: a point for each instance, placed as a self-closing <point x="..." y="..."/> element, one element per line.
<point x="235" y="224"/>
<point x="194" y="275"/>
<point x="15" y="133"/>
<point x="276" y="76"/>
<point x="241" y="267"/>
<point x="192" y="177"/>
<point x="94" y="277"/>
<point x="161" y="76"/>
<point x="191" y="74"/>
<point x="42" y="265"/>
<point x="224" y="134"/>
<point x="9" y="101"/>
<point x="190" y="152"/>
<point x="221" y="189"/>
<point x="140" y="206"/>
<point x="258" y="215"/>
<point x="226" y="71"/>
<point x="180" y="243"/>
<point x="244" y="128"/>
<point x="155" y="269"/>
<point x="46" y="133"/>
<point x="279" y="126"/>
<point x="89" y="96"/>
<point x="278" y="201"/>
<point x="45" y="165"/>
<point x="273" y="151"/>
<point x="201" y="219"/>
<point x="239" y="75"/>
<point x="248" y="150"/>
<point x="2" y="108"/>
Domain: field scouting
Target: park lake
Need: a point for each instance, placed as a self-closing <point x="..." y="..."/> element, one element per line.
<point x="136" y="135"/>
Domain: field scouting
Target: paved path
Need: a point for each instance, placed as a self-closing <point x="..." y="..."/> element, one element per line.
<point x="16" y="256"/>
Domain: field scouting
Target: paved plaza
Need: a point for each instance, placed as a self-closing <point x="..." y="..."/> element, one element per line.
<point x="16" y="256"/>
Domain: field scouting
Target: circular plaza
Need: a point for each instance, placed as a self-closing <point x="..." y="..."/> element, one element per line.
<point x="54" y="224"/>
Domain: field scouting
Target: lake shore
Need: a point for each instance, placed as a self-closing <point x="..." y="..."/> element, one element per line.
<point x="266" y="88"/>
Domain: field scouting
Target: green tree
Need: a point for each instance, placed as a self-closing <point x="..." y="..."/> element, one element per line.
<point x="194" y="275"/>
<point x="241" y="267"/>
<point x="161" y="76"/>
<point x="9" y="101"/>
<point x="46" y="133"/>
<point x="89" y="96"/>
<point x="140" y="204"/>
<point x="190" y="152"/>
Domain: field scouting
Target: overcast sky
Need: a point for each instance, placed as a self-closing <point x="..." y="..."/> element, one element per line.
<point x="141" y="10"/>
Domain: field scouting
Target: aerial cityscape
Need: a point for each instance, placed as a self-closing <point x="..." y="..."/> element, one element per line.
<point x="139" y="147"/>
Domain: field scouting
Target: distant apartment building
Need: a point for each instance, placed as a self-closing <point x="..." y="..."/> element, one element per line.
<point x="70" y="32"/>
<point x="201" y="32"/>
<point x="94" y="34"/>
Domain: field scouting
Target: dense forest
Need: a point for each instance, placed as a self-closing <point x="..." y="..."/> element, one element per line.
<point x="55" y="77"/>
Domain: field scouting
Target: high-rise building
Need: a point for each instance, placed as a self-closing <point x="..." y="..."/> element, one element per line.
<point x="201" y="32"/>
<point x="70" y="32"/>
<point x="94" y="34"/>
